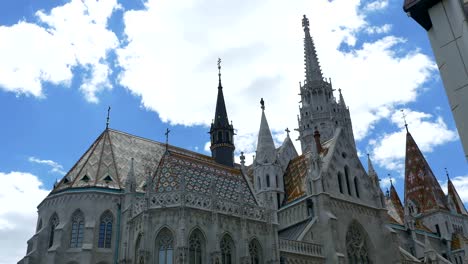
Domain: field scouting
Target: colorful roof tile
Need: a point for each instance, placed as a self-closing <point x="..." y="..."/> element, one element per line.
<point x="454" y="199"/>
<point x="394" y="206"/>
<point x="178" y="172"/>
<point x="294" y="178"/>
<point x="421" y="186"/>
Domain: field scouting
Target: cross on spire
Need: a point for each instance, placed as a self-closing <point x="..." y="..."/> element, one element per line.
<point x="262" y="103"/>
<point x="108" y="117"/>
<point x="167" y="137"/>
<point x="446" y="173"/>
<point x="287" y="131"/>
<point x="219" y="71"/>
<point x="404" y="119"/>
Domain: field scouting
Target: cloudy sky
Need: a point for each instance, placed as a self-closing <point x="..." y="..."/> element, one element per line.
<point x="62" y="63"/>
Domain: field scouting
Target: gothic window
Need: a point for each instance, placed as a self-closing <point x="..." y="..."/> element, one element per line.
<point x="310" y="208"/>
<point x="310" y="186"/>
<point x="268" y="180"/>
<point x="227" y="250"/>
<point x="227" y="136"/>
<point x="196" y="247"/>
<point x="277" y="182"/>
<point x="165" y="247"/>
<point x="340" y="180"/>
<point x="220" y="136"/>
<point x="460" y="259"/>
<point x="105" y="230"/>
<point x="259" y="181"/>
<point x="356" y="245"/>
<point x="255" y="252"/>
<point x="356" y="186"/>
<point x="53" y="223"/>
<point x="347" y="179"/>
<point x="77" y="229"/>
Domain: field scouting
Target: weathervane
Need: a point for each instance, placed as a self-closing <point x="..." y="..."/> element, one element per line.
<point x="404" y="119"/>
<point x="108" y="117"/>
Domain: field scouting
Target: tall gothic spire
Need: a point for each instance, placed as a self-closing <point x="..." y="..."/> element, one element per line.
<point x="221" y="132"/>
<point x="266" y="151"/>
<point x="454" y="199"/>
<point x="312" y="66"/>
<point x="371" y="172"/>
<point x="422" y="190"/>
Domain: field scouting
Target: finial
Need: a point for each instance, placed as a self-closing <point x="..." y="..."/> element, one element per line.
<point x="262" y="103"/>
<point x="446" y="173"/>
<point x="391" y="182"/>
<point x="388" y="193"/>
<point x="219" y="72"/>
<point x="404" y="119"/>
<point x="368" y="156"/>
<point x="108" y="117"/>
<point x="242" y="158"/>
<point x="167" y="137"/>
<point x="305" y="22"/>
<point x="287" y="131"/>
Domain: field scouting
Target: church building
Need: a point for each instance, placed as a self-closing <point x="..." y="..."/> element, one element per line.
<point x="133" y="200"/>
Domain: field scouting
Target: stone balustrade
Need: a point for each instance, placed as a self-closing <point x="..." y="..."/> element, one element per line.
<point x="300" y="247"/>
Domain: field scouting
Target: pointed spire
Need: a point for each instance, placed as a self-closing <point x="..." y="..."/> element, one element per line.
<point x="421" y="186"/>
<point x="222" y="133"/>
<point x="266" y="151"/>
<point x="370" y="167"/>
<point x="108" y="117"/>
<point x="452" y="196"/>
<point x="394" y="204"/>
<point x="312" y="67"/>
<point x="342" y="102"/>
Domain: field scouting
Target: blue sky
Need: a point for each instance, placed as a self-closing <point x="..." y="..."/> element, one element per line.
<point x="62" y="63"/>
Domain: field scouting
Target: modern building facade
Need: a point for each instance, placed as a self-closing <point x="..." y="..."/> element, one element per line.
<point x="134" y="200"/>
<point x="447" y="28"/>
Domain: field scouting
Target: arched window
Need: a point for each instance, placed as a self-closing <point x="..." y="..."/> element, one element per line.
<point x="255" y="252"/>
<point x="227" y="250"/>
<point x="220" y="136"/>
<point x="356" y="245"/>
<point x="268" y="180"/>
<point x="346" y="172"/>
<point x="259" y="181"/>
<point x="340" y="182"/>
<point x="165" y="247"/>
<point x="196" y="247"/>
<point x="356" y="186"/>
<point x="77" y="229"/>
<point x="53" y="223"/>
<point x="227" y="137"/>
<point x="105" y="230"/>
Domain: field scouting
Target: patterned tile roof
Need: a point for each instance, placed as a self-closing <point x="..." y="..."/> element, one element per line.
<point x="178" y="171"/>
<point x="455" y="199"/>
<point x="394" y="206"/>
<point x="106" y="163"/>
<point x="421" y="186"/>
<point x="294" y="178"/>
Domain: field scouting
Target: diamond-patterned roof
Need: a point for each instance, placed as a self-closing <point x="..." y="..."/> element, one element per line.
<point x="178" y="171"/>
<point x="294" y="178"/>
<point x="109" y="158"/>
<point x="421" y="186"/>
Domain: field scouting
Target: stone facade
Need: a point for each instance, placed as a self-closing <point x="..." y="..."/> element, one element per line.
<point x="133" y="200"/>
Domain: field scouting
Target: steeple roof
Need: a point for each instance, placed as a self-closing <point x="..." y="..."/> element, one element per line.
<point x="266" y="151"/>
<point x="421" y="186"/>
<point x="455" y="198"/>
<point x="221" y="117"/>
<point x="394" y="205"/>
<point x="371" y="172"/>
<point x="312" y="66"/>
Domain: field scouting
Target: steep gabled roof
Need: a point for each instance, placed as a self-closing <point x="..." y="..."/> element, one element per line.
<point x="106" y="162"/>
<point x="178" y="172"/>
<point x="454" y="198"/>
<point x="294" y="178"/>
<point x="394" y="206"/>
<point x="421" y="186"/>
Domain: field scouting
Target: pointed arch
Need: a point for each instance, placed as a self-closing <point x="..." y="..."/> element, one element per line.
<point x="164" y="246"/>
<point x="53" y="223"/>
<point x="356" y="186"/>
<point x="228" y="251"/>
<point x="255" y="251"/>
<point x="77" y="229"/>
<point x="357" y="244"/>
<point x="106" y="222"/>
<point x="196" y="247"/>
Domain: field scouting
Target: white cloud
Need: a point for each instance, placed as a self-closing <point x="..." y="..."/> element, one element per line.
<point x="376" y="5"/>
<point x="172" y="63"/>
<point x="461" y="185"/>
<point x="379" y="29"/>
<point x="55" y="167"/>
<point x="389" y="150"/>
<point x="74" y="34"/>
<point x="20" y="193"/>
<point x="385" y="182"/>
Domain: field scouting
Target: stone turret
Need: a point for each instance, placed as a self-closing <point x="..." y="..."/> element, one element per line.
<point x="320" y="109"/>
<point x="221" y="132"/>
<point x="268" y="173"/>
